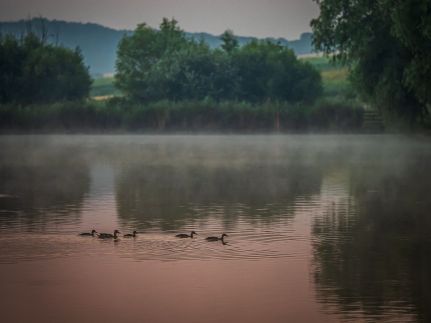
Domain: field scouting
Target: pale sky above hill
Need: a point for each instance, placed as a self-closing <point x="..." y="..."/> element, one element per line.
<point x="260" y="18"/>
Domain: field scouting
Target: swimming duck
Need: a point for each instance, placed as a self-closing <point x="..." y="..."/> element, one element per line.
<point x="109" y="235"/>
<point x="184" y="235"/>
<point x="87" y="234"/>
<point x="217" y="238"/>
<point x="130" y="235"/>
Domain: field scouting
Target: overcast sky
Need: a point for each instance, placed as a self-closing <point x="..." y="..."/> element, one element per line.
<point x="276" y="18"/>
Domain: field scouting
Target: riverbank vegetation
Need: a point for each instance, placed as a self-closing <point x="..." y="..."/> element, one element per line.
<point x="120" y="115"/>
<point x="166" y="81"/>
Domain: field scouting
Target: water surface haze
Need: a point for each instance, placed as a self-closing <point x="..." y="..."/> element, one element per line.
<point x="320" y="228"/>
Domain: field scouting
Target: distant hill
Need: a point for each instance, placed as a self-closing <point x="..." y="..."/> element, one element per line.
<point x="299" y="46"/>
<point x="99" y="43"/>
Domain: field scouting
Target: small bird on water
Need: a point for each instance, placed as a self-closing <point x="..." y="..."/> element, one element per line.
<point x="88" y="234"/>
<point x="131" y="235"/>
<point x="109" y="235"/>
<point x="217" y="238"/>
<point x="184" y="235"/>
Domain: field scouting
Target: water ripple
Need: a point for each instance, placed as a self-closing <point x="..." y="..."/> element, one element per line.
<point x="245" y="241"/>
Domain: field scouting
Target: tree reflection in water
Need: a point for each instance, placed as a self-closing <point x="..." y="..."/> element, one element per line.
<point x="374" y="255"/>
<point x="171" y="195"/>
<point x="41" y="185"/>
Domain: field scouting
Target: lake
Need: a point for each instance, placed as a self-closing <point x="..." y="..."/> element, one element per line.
<point x="320" y="228"/>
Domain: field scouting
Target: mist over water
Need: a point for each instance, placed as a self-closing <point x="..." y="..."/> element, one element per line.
<point x="321" y="228"/>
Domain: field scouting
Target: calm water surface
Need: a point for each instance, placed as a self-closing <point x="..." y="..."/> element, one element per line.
<point x="321" y="228"/>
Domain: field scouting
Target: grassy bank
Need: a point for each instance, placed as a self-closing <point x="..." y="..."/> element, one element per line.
<point x="119" y="115"/>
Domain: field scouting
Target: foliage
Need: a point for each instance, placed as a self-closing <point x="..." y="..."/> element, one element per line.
<point x="33" y="71"/>
<point x="270" y="71"/>
<point x="142" y="73"/>
<point x="387" y="44"/>
<point x="156" y="65"/>
<point x="411" y="25"/>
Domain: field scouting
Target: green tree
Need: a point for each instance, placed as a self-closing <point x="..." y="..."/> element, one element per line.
<point x="12" y="57"/>
<point x="411" y="25"/>
<point x="186" y="74"/>
<point x="141" y="63"/>
<point x="34" y="71"/>
<point x="55" y="74"/>
<point x="156" y="65"/>
<point x="230" y="42"/>
<point x="271" y="71"/>
<point x="387" y="45"/>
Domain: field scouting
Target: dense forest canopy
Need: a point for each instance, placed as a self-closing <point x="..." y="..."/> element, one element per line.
<point x="34" y="71"/>
<point x="388" y="46"/>
<point x="165" y="64"/>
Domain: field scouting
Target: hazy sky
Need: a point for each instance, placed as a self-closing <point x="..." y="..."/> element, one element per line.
<point x="277" y="18"/>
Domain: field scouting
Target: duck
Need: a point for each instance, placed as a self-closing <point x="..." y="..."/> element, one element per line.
<point x="217" y="238"/>
<point x="184" y="235"/>
<point x="88" y="234"/>
<point x="131" y="235"/>
<point x="109" y="235"/>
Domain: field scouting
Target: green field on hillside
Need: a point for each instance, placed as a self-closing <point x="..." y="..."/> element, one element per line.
<point x="104" y="87"/>
<point x="334" y="77"/>
<point x="322" y="63"/>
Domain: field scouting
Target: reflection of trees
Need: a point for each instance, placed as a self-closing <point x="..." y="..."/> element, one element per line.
<point x="41" y="185"/>
<point x="171" y="194"/>
<point x="378" y="254"/>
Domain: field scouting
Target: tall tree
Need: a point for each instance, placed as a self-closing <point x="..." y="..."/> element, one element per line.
<point x="387" y="45"/>
<point x="411" y="25"/>
<point x="229" y="41"/>
<point x="140" y="59"/>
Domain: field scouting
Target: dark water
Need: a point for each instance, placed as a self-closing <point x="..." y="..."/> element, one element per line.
<point x="321" y="228"/>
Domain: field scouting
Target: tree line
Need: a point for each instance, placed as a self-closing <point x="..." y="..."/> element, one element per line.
<point x="164" y="64"/>
<point x="386" y="44"/>
<point x="155" y="65"/>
